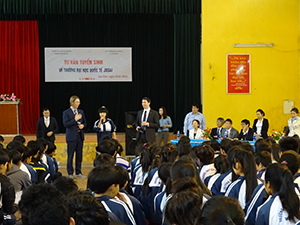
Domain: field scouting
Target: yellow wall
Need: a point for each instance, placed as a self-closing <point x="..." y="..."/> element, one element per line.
<point x="274" y="71"/>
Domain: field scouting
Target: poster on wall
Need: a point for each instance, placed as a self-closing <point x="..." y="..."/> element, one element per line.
<point x="238" y="74"/>
<point x="88" y="65"/>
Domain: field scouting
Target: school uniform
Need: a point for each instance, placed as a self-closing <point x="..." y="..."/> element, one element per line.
<point x="138" y="179"/>
<point x="137" y="208"/>
<point x="32" y="172"/>
<point x="261" y="174"/>
<point x="122" y="162"/>
<point x="40" y="169"/>
<point x="222" y="183"/>
<point x="237" y="190"/>
<point x="160" y="202"/>
<point x="259" y="196"/>
<point x="18" y="178"/>
<point x="207" y="170"/>
<point x="209" y="181"/>
<point x="119" y="208"/>
<point x="272" y="212"/>
<point x="106" y="129"/>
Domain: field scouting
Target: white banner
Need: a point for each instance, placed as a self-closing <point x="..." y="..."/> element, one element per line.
<point x="88" y="64"/>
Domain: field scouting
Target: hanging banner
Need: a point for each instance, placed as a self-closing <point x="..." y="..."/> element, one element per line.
<point x="238" y="74"/>
<point x="88" y="64"/>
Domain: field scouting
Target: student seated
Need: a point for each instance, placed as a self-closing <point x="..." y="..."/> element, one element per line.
<point x="262" y="160"/>
<point x="20" y="138"/>
<point x="221" y="210"/>
<point x="289" y="143"/>
<point x="51" y="152"/>
<point x="104" y="160"/>
<point x="284" y="206"/>
<point x="86" y="209"/>
<point x="44" y="204"/>
<point x="46" y="160"/>
<point x="104" y="182"/>
<point x="66" y="185"/>
<point x="19" y="179"/>
<point x="26" y="160"/>
<point x="119" y="159"/>
<point x="134" y="204"/>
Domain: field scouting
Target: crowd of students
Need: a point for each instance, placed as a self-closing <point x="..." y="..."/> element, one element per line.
<point x="213" y="183"/>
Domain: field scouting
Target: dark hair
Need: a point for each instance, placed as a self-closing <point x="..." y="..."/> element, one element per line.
<point x="228" y="120"/>
<point x="245" y="121"/>
<point x="35" y="147"/>
<point x="66" y="185"/>
<point x="107" y="146"/>
<point x="185" y="166"/>
<point x="164" y="174"/>
<point x="230" y="157"/>
<point x="4" y="157"/>
<point x="147" y="99"/>
<point x="27" y="153"/>
<point x="261" y="112"/>
<point x="286" y="130"/>
<point x="183" y="208"/>
<point x="45" y="109"/>
<point x="183" y="146"/>
<point x="275" y="150"/>
<point x="104" y="160"/>
<point x="196" y="105"/>
<point x="247" y="146"/>
<point x="221" y="119"/>
<point x="262" y="145"/>
<point x="87" y="210"/>
<point x="205" y="153"/>
<point x="145" y="160"/>
<point x="43" y="204"/>
<point x="1" y="146"/>
<point x="51" y="148"/>
<point x="164" y="115"/>
<point x="16" y="156"/>
<point x="100" y="179"/>
<point x="215" y="145"/>
<point x="123" y="175"/>
<point x="246" y="159"/>
<point x="221" y="210"/>
<point x="221" y="164"/>
<point x="169" y="153"/>
<point x="19" y="138"/>
<point x="226" y="144"/>
<point x="16" y="145"/>
<point x="295" y="110"/>
<point x="120" y="147"/>
<point x="281" y="181"/>
<point x="1" y="138"/>
<point x="292" y="160"/>
<point x="103" y="109"/>
<point x="289" y="143"/>
<point x="43" y="142"/>
<point x="263" y="157"/>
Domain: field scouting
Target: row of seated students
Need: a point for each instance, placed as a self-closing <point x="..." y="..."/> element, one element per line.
<point x="22" y="166"/>
<point x="213" y="183"/>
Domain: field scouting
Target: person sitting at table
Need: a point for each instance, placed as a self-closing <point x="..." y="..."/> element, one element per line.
<point x="246" y="132"/>
<point x="261" y="124"/>
<point x="294" y="123"/>
<point x="229" y="131"/>
<point x="196" y="132"/>
<point x="217" y="131"/>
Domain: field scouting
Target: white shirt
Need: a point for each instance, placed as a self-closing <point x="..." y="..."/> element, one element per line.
<point x="47" y="121"/>
<point x="24" y="168"/>
<point x="259" y="126"/>
<point x="147" y="111"/>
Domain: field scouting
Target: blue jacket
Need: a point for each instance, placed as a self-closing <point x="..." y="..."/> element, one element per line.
<point x="222" y="183"/>
<point x="34" y="179"/>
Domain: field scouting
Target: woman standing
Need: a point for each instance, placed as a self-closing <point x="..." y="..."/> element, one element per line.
<point x="196" y="133"/>
<point x="104" y="126"/>
<point x="261" y="125"/>
<point x="165" y="123"/>
<point x="294" y="123"/>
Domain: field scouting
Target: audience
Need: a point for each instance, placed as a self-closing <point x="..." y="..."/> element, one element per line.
<point x="1" y="139"/>
<point x="263" y="160"/>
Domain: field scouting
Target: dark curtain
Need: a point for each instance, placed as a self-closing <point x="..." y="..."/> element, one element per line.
<point x="19" y="68"/>
<point x="151" y="38"/>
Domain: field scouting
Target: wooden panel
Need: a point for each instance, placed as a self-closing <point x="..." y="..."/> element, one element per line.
<point x="9" y="119"/>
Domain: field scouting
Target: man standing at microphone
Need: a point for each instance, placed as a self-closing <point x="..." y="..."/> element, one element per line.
<point x="74" y="121"/>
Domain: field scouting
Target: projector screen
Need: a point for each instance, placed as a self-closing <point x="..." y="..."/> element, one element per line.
<point x="88" y="65"/>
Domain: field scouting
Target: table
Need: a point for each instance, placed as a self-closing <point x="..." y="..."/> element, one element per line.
<point x="195" y="142"/>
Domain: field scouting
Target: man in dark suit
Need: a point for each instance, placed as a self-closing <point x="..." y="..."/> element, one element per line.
<point x="46" y="126"/>
<point x="146" y="122"/>
<point x="74" y="121"/>
<point x="229" y="131"/>
<point x="246" y="133"/>
<point x="217" y="131"/>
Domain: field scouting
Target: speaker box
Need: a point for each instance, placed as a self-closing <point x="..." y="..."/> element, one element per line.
<point x="130" y="134"/>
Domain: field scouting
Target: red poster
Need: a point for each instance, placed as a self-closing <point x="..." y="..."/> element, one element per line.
<point x="238" y="74"/>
